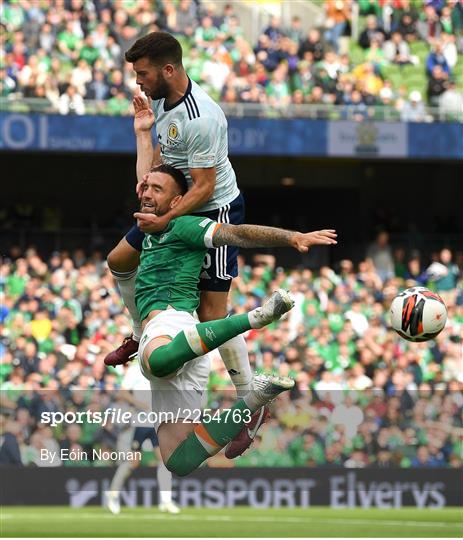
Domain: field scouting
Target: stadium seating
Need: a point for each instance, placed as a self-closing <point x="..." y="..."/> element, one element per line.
<point x="41" y="89"/>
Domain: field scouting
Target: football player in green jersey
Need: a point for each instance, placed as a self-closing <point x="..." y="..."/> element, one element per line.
<point x="174" y="345"/>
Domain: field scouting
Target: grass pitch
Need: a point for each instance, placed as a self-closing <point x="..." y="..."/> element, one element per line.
<point x="58" y="521"/>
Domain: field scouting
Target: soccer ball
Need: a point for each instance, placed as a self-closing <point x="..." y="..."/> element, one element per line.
<point x="418" y="314"/>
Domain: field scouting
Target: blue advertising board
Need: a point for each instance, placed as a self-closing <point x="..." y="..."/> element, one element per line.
<point x="436" y="140"/>
<point x="71" y="133"/>
<point x="247" y="137"/>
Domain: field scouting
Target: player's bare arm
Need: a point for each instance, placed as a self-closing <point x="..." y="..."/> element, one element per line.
<point x="200" y="192"/>
<point x="147" y="156"/>
<point x="248" y="236"/>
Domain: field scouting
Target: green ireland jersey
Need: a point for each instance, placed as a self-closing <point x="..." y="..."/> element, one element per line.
<point x="170" y="265"/>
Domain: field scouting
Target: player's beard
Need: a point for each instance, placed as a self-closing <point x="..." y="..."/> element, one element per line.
<point x="161" y="91"/>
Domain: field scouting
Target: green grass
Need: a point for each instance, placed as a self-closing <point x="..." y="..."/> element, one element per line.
<point x="238" y="522"/>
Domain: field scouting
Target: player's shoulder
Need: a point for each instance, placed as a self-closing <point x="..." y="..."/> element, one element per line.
<point x="194" y="231"/>
<point x="202" y="105"/>
<point x="185" y="222"/>
<point x="187" y="228"/>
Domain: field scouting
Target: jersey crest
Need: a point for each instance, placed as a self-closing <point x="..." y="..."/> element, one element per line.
<point x="172" y="132"/>
<point x="163" y="237"/>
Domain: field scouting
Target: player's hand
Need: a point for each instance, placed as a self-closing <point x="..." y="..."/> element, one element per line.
<point x="141" y="186"/>
<point x="144" y="116"/>
<point x="151" y="223"/>
<point x="304" y="241"/>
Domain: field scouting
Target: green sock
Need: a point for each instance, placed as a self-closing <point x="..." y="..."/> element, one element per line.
<point x="195" y="342"/>
<point x="216" y="333"/>
<point x="187" y="457"/>
<point x="226" y="427"/>
<point x="208" y="438"/>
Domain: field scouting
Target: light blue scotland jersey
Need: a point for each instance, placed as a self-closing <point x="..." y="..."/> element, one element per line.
<point x="192" y="134"/>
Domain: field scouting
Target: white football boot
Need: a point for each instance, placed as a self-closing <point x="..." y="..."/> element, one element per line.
<point x="265" y="388"/>
<point x="112" y="502"/>
<point x="170" y="507"/>
<point x="272" y="309"/>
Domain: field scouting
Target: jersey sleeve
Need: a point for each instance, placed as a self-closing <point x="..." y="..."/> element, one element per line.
<point x="202" y="141"/>
<point x="195" y="231"/>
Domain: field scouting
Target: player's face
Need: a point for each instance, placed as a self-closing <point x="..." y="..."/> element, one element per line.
<point x="160" y="194"/>
<point x="150" y="79"/>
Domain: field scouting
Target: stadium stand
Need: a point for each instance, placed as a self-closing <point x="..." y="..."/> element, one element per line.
<point x="363" y="398"/>
<point x="377" y="57"/>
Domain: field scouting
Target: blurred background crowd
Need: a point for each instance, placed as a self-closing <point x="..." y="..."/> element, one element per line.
<point x="364" y="397"/>
<point x="364" y="56"/>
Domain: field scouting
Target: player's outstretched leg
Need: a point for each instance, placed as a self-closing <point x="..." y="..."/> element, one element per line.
<point x="204" y="337"/>
<point x="210" y="437"/>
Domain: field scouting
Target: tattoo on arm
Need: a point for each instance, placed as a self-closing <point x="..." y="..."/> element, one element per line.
<point x="248" y="236"/>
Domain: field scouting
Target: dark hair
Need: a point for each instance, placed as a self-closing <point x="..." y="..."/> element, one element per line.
<point x="176" y="174"/>
<point x="160" y="47"/>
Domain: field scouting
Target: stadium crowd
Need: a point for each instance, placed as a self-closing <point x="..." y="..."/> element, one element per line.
<point x="364" y="397"/>
<point x="68" y="52"/>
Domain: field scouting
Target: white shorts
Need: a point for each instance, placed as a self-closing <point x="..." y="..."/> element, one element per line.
<point x="183" y="394"/>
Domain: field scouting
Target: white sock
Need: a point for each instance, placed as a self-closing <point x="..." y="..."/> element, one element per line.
<point x="255" y="318"/>
<point x="126" y="284"/>
<point x="123" y="472"/>
<point x="164" y="483"/>
<point x="254" y="401"/>
<point x="235" y="356"/>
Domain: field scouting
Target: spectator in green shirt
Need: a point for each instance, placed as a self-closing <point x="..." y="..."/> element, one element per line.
<point x="370" y="7"/>
<point x="194" y="65"/>
<point x="306" y="448"/>
<point x="449" y="281"/>
<point x="68" y="42"/>
<point x="89" y="52"/>
<point x="16" y="282"/>
<point x="278" y="88"/>
<point x="118" y="104"/>
<point x="206" y="34"/>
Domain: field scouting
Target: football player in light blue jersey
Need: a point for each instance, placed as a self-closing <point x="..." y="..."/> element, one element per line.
<point x="192" y="136"/>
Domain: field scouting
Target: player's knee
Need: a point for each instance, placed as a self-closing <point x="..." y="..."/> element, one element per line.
<point x="116" y="262"/>
<point x="123" y="260"/>
<point x="111" y="259"/>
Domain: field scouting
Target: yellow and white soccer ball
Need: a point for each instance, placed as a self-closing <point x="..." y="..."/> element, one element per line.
<point x="418" y="314"/>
